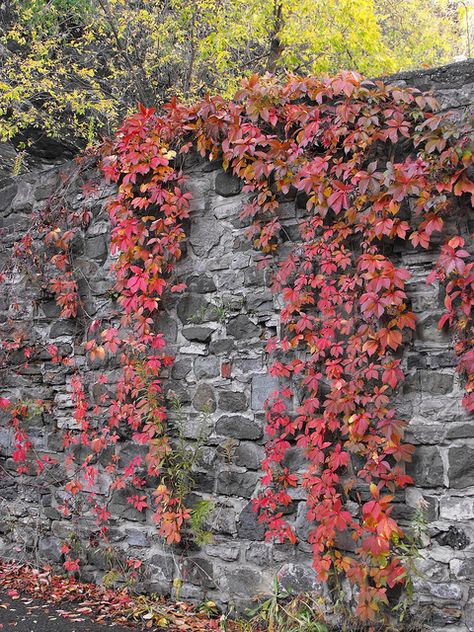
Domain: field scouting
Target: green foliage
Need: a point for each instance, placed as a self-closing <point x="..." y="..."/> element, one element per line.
<point x="200" y="513"/>
<point x="74" y="68"/>
<point x="280" y="612"/>
<point x="178" y="469"/>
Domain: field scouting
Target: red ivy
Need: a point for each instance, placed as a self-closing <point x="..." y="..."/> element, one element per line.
<point x="370" y="164"/>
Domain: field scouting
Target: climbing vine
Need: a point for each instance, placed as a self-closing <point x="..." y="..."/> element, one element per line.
<point x="370" y="166"/>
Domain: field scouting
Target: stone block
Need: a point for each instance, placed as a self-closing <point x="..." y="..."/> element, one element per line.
<point x="223" y="519"/>
<point x="192" y="307"/>
<point x="435" y="382"/>
<point x="136" y="537"/>
<point x="201" y="284"/>
<point x="218" y="347"/>
<point x="466" y="570"/>
<point x="455" y="508"/>
<point x="227" y="185"/>
<point x="239" y="581"/>
<point x="297" y="579"/>
<point x="262" y="387"/>
<point x="205" y="236"/>
<point x="454" y="537"/>
<point x="258" y="553"/>
<point x="249" y="528"/>
<point x="469" y="613"/>
<point x="97" y="248"/>
<point x="63" y="328"/>
<point x="199" y="571"/>
<point x="162" y="566"/>
<point x="448" y="591"/>
<point x="119" y="507"/>
<point x="461" y="466"/>
<point x="7" y="195"/>
<point x="427" y="467"/>
<point x="181" y="368"/>
<point x="49" y="549"/>
<point x="24" y="198"/>
<point x="239" y="484"/>
<point x="232" y="401"/>
<point x="167" y="326"/>
<point x="227" y="551"/>
<point x="204" y="399"/>
<point x="250" y="455"/>
<point x="241" y="328"/>
<point x="206" y="367"/>
<point x="238" y="427"/>
<point x="200" y="334"/>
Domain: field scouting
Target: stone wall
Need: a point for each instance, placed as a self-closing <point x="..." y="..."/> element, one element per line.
<point x="217" y="332"/>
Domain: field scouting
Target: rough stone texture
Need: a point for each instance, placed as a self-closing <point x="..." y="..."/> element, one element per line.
<point x="217" y="332"/>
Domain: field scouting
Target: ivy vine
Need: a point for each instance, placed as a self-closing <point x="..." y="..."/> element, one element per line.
<point x="370" y="165"/>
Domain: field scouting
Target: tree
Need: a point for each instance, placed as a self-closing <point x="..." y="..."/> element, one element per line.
<point x="76" y="67"/>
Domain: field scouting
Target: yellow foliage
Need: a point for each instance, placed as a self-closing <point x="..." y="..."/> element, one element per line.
<point x="75" y="67"/>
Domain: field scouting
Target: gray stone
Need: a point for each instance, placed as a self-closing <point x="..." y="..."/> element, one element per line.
<point x="240" y="581"/>
<point x="469" y="613"/>
<point x="302" y="524"/>
<point x="96" y="248"/>
<point x="204" y="481"/>
<point x="461" y="467"/>
<point x="238" y="427"/>
<point x="448" y="591"/>
<point x="50" y="309"/>
<point x="167" y="326"/>
<point x="232" y="401"/>
<point x="63" y="328"/>
<point x="427" y="467"/>
<point x="206" y="367"/>
<point x="227" y="551"/>
<point x="205" y="237"/>
<point x="224" y="520"/>
<point x="460" y="431"/>
<point x="201" y="334"/>
<point x="136" y="537"/>
<point x="227" y="184"/>
<point x="163" y="566"/>
<point x="177" y="390"/>
<point x="24" y="197"/>
<point x="262" y="387"/>
<point x="294" y="459"/>
<point x="258" y="553"/>
<point x="221" y="346"/>
<point x="249" y="528"/>
<point x="239" y="484"/>
<point x="455" y="508"/>
<point x="44" y="190"/>
<point x="242" y="327"/>
<point x="466" y="570"/>
<point x="435" y="382"/>
<point x="120" y="507"/>
<point x="6" y="195"/>
<point x="443" y="617"/>
<point x="49" y="549"/>
<point x="192" y="307"/>
<point x="297" y="579"/>
<point x="248" y="454"/>
<point x="454" y="537"/>
<point x="201" y="284"/>
<point x="199" y="570"/>
<point x="181" y="368"/>
<point x="204" y="399"/>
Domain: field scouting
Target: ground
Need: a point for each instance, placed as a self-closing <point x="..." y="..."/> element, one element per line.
<point x="23" y="614"/>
